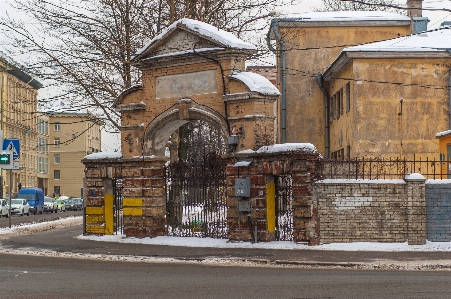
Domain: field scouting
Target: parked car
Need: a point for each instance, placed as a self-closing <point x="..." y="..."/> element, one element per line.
<point x="50" y="205"/>
<point x="61" y="205"/>
<point x="79" y="202"/>
<point x="70" y="205"/>
<point x="34" y="197"/>
<point x="20" y="206"/>
<point x="4" y="208"/>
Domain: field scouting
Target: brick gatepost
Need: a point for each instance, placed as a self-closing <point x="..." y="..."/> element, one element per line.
<point x="144" y="195"/>
<point x="266" y="165"/>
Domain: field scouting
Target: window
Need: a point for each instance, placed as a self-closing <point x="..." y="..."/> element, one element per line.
<point x="338" y="104"/>
<point x="341" y="102"/>
<point x="348" y="97"/>
<point x="56" y="174"/>
<point x="56" y="127"/>
<point x="56" y="142"/>
<point x="56" y="158"/>
<point x="348" y="152"/>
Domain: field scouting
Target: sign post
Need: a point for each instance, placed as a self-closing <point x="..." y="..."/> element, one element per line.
<point x="11" y="151"/>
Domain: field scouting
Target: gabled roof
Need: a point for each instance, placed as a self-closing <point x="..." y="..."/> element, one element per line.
<point x="428" y="44"/>
<point x="219" y="37"/>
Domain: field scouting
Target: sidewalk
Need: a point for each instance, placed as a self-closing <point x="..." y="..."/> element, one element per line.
<point x="69" y="242"/>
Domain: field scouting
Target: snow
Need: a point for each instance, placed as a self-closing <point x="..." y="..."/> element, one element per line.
<point x="348" y="16"/>
<point x="225" y="38"/>
<point x="104" y="155"/>
<point x="443" y="134"/>
<point x="359" y="181"/>
<point x="256" y="83"/>
<point x="444" y="181"/>
<point x="281" y="148"/>
<point x="438" y="40"/>
<point x="415" y="176"/>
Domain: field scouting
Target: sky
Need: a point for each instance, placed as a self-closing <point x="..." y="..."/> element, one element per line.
<point x="111" y="142"/>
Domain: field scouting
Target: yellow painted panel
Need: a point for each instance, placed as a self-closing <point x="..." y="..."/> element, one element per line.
<point x="95" y="219"/>
<point x="109" y="218"/>
<point x="132" y="202"/>
<point x="95" y="229"/>
<point x="271" y="207"/>
<point x="132" y="212"/>
<point x="95" y="211"/>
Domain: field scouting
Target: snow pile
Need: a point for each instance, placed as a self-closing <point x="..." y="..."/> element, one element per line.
<point x="256" y="83"/>
<point x="282" y="148"/>
<point x="104" y="155"/>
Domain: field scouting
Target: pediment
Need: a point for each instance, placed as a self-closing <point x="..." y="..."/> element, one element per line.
<point x="180" y="41"/>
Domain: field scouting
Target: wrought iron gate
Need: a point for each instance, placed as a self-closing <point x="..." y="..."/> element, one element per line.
<point x="117" y="207"/>
<point x="284" y="208"/>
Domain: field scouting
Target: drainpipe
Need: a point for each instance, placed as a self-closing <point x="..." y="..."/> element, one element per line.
<point x="283" y="116"/>
<point x="320" y="80"/>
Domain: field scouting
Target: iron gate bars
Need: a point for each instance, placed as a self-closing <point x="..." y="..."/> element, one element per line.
<point x="196" y="197"/>
<point x="284" y="207"/>
<point x="117" y="212"/>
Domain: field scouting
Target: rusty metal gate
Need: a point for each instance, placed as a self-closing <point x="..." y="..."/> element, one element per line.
<point x="284" y="208"/>
<point x="117" y="206"/>
<point x="196" y="198"/>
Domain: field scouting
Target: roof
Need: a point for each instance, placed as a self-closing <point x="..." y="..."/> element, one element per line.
<point x="428" y="44"/>
<point x="224" y="38"/>
<point x="17" y="70"/>
<point x="347" y="16"/>
<point x="256" y="83"/>
<point x="427" y="41"/>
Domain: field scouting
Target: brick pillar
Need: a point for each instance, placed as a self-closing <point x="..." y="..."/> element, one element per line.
<point x="416" y="209"/>
<point x="144" y="196"/>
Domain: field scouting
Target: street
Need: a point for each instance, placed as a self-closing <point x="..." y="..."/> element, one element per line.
<point x="53" y="277"/>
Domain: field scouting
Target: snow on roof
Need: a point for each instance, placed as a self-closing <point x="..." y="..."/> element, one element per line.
<point x="346" y="16"/>
<point x="284" y="147"/>
<point x="443" y="134"/>
<point x="256" y="82"/>
<point x="223" y="37"/>
<point x="427" y="41"/>
<point x="104" y="155"/>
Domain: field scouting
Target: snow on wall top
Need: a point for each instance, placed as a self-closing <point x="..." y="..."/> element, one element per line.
<point x="223" y="37"/>
<point x="285" y="147"/>
<point x="256" y="83"/>
<point x="348" y="16"/>
<point x="430" y="41"/>
<point x="104" y="155"/>
<point x="443" y="134"/>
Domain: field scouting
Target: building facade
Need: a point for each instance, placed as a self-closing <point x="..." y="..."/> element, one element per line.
<point x="72" y="136"/>
<point x="18" y="120"/>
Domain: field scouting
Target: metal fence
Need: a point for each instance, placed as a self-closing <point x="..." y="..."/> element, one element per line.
<point x="361" y="168"/>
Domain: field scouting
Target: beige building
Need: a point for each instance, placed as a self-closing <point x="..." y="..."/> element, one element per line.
<point x="18" y="105"/>
<point x="72" y="136"/>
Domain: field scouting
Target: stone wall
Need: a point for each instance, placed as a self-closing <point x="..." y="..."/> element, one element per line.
<point x="438" y="210"/>
<point x="371" y="211"/>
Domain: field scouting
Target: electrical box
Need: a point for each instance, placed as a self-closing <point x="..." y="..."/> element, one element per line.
<point x="244" y="206"/>
<point x="243" y="187"/>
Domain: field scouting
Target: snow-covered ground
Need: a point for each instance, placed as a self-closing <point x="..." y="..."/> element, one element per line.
<point x="222" y="243"/>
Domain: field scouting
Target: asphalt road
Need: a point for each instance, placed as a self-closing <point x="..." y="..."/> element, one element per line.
<point x="53" y="277"/>
<point x="46" y="216"/>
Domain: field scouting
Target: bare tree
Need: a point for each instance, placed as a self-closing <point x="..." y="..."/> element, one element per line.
<point x="83" y="48"/>
<point x="373" y="5"/>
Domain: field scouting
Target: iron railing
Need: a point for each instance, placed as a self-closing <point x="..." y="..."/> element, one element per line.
<point x="379" y="168"/>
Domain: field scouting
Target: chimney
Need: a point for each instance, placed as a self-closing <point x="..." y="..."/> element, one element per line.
<point x="414" y="11"/>
<point x="414" y="8"/>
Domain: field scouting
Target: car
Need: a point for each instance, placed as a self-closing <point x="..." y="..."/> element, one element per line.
<point x="20" y="206"/>
<point x="4" y="208"/>
<point x="79" y="202"/>
<point x="50" y="205"/>
<point x="70" y="205"/>
<point x="61" y="205"/>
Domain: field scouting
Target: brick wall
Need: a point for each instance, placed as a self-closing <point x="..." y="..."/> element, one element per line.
<point x="371" y="211"/>
<point x="438" y="210"/>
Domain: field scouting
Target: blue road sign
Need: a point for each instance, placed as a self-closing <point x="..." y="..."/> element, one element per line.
<point x="12" y="145"/>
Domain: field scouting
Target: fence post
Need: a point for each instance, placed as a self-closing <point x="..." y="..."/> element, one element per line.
<point x="416" y="209"/>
